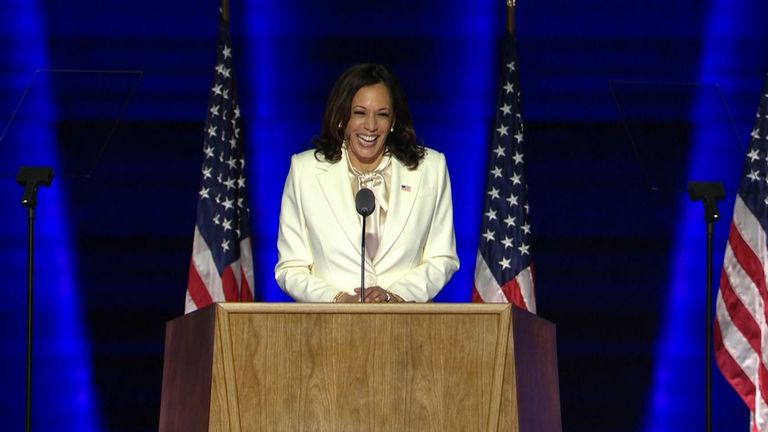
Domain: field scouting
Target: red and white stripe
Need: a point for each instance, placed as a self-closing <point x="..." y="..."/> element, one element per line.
<point x="519" y="291"/>
<point x="741" y="330"/>
<point x="206" y="286"/>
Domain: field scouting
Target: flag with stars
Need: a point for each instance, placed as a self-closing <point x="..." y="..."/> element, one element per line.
<point x="221" y="269"/>
<point x="741" y="315"/>
<point x="503" y="267"/>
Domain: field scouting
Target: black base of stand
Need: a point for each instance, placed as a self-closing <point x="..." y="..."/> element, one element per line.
<point x="31" y="178"/>
<point x="710" y="193"/>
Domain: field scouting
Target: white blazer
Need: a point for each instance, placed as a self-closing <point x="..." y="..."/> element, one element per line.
<point x="318" y="242"/>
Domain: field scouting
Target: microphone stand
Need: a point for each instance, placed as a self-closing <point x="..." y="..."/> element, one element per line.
<point x="365" y="203"/>
<point x="709" y="193"/>
<point x="362" y="264"/>
<point x="31" y="178"/>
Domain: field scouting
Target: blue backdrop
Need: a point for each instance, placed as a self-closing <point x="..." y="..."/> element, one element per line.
<point x="623" y="101"/>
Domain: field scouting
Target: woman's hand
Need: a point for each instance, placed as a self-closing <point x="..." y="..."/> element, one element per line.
<point x="377" y="294"/>
<point x="344" y="297"/>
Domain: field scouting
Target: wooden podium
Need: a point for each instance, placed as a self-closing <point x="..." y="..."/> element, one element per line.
<point x="360" y="367"/>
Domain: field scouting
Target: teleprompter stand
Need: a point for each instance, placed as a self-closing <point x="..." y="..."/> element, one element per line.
<point x="31" y="178"/>
<point x="678" y="131"/>
<point x="63" y="120"/>
<point x="709" y="193"/>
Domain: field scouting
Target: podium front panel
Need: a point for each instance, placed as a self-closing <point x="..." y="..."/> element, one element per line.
<point x="382" y="368"/>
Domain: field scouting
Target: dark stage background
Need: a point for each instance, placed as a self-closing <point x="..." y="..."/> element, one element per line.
<point x="623" y="101"/>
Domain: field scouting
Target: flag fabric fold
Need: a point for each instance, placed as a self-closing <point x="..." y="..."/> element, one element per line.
<point x="503" y="267"/>
<point x="741" y="317"/>
<point x="221" y="269"/>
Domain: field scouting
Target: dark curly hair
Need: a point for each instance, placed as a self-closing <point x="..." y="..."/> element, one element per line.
<point x="402" y="143"/>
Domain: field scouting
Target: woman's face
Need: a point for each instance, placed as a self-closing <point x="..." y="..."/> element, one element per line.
<point x="369" y="122"/>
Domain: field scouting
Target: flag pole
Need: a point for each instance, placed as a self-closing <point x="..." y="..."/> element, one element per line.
<point x="225" y="10"/>
<point x="510" y="16"/>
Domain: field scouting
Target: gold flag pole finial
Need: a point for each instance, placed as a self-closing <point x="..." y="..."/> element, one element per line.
<point x="225" y="10"/>
<point x="511" y="16"/>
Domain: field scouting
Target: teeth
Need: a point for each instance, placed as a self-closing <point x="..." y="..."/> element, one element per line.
<point x="367" y="138"/>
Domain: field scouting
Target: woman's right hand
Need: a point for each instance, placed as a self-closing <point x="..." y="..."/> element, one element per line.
<point x="344" y="297"/>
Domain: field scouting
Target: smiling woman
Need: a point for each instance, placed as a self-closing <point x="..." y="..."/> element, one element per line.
<point x="366" y="141"/>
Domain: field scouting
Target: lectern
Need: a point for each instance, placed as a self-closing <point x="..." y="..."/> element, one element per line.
<point x="360" y="367"/>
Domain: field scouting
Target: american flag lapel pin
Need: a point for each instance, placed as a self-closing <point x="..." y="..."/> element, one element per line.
<point x="405" y="188"/>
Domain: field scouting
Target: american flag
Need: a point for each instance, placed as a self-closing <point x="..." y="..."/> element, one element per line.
<point x="503" y="268"/>
<point x="741" y="324"/>
<point x="222" y="260"/>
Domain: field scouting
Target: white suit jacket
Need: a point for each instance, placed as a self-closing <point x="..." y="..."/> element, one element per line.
<point x="319" y="238"/>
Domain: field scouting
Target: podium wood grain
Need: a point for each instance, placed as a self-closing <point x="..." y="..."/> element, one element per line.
<point x="329" y="367"/>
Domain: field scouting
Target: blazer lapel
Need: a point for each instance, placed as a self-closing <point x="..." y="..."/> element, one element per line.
<point x="334" y="182"/>
<point x="403" y="192"/>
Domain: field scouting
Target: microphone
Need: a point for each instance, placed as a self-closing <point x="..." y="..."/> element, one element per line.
<point x="365" y="203"/>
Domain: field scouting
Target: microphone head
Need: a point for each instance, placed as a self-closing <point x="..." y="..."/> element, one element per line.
<point x="365" y="202"/>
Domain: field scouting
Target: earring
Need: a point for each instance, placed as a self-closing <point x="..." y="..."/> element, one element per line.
<point x="339" y="125"/>
<point x="392" y="129"/>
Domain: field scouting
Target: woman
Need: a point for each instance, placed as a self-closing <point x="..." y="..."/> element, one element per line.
<point x="366" y="141"/>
